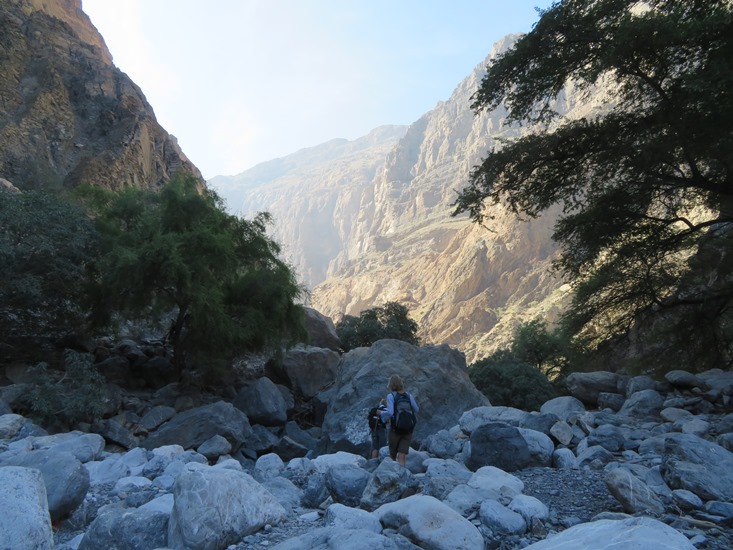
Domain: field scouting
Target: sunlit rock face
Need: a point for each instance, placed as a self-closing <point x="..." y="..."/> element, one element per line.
<point x="68" y="115"/>
<point x="369" y="221"/>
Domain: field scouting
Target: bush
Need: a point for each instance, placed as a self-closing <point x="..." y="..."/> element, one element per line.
<point x="509" y="381"/>
<point x="77" y="396"/>
<point x="389" y="321"/>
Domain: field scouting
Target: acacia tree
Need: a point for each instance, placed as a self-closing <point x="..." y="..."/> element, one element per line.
<point x="177" y="250"/>
<point x="391" y="320"/>
<point x="647" y="185"/>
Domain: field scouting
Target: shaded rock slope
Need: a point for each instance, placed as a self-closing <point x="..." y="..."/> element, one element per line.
<point x="67" y="114"/>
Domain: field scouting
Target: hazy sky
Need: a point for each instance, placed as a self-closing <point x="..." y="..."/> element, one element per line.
<point x="240" y="82"/>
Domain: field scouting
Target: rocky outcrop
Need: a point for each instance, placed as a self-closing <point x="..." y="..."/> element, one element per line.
<point x="67" y="114"/>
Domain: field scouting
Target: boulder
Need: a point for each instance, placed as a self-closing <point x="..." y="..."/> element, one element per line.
<point x="682" y="379"/>
<point x="470" y="420"/>
<point x="500" y="519"/>
<point x="337" y="538"/>
<point x="321" y="330"/>
<point x="346" y="483"/>
<point x="214" y="447"/>
<point x="124" y="528"/>
<point x="540" y="447"/>
<point x="214" y="508"/>
<point x="66" y="479"/>
<point x="643" y="404"/>
<point x="10" y="425"/>
<point x="191" y="428"/>
<point x="607" y="436"/>
<point x="639" y="383"/>
<point x="499" y="445"/>
<point x="586" y="386"/>
<point x="565" y="407"/>
<point x="530" y="508"/>
<point x="24" y="521"/>
<point x="436" y="376"/>
<point x="156" y="416"/>
<point x="442" y="445"/>
<point x="430" y="524"/>
<point x="262" y="402"/>
<point x="608" y="534"/>
<point x="633" y="494"/>
<point x="386" y="484"/>
<point x="344" y="517"/>
<point x="310" y="369"/>
<point x="699" y="466"/>
<point x="268" y="467"/>
<point x="83" y="446"/>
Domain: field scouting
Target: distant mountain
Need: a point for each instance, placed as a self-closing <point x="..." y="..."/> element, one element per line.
<point x="373" y="225"/>
<point x="68" y="115"/>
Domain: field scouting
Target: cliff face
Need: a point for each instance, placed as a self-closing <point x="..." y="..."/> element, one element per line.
<point x="67" y="114"/>
<point x="466" y="285"/>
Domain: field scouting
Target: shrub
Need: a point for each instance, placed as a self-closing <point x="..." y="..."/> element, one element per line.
<point x="509" y="381"/>
<point x="77" y="396"/>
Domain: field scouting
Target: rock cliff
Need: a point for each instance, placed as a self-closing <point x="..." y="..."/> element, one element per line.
<point x="67" y="114"/>
<point x="391" y="237"/>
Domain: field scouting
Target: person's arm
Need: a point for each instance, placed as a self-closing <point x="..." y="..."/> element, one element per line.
<point x="389" y="411"/>
<point x="415" y="407"/>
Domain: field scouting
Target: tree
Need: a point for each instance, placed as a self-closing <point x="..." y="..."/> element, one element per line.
<point x="646" y="185"/>
<point x="46" y="244"/>
<point x="389" y="321"/>
<point x="509" y="381"/>
<point x="177" y="250"/>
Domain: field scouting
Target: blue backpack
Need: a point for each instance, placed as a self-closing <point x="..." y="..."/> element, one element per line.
<point x="403" y="421"/>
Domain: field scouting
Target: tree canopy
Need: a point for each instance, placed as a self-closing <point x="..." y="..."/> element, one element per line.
<point x="46" y="244"/>
<point x="389" y="321"/>
<point x="178" y="251"/>
<point x="646" y="183"/>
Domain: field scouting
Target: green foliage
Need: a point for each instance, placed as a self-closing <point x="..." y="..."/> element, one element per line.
<point x="177" y="250"/>
<point x="77" y="396"/>
<point x="647" y="185"/>
<point x="46" y="244"/>
<point x="389" y="321"/>
<point x="509" y="381"/>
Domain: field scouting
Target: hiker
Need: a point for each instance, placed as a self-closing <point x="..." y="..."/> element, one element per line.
<point x="378" y="428"/>
<point x="400" y="411"/>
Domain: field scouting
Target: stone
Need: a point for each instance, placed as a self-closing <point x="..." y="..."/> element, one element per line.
<point x="321" y="330"/>
<point x="285" y="491"/>
<point x="214" y="508"/>
<point x="607" y="436"/>
<point x="564" y="458"/>
<point x="442" y="445"/>
<point x="386" y="484"/>
<point x="643" y="404"/>
<point x="686" y="500"/>
<point x="430" y="523"/>
<point x="500" y="519"/>
<point x="336" y="538"/>
<point x="191" y="428"/>
<point x="633" y="494"/>
<point x="639" y="383"/>
<point x="540" y="447"/>
<point x="25" y="521"/>
<point x="83" y="446"/>
<point x="323" y="463"/>
<point x="565" y="407"/>
<point x="346" y="483"/>
<point x="613" y="401"/>
<point x="562" y="432"/>
<point x="697" y="465"/>
<point x="310" y="369"/>
<point x="682" y="379"/>
<point x="262" y="402"/>
<point x="607" y="534"/>
<point x="499" y="445"/>
<point x="214" y="447"/>
<point x="156" y="416"/>
<point x="471" y="420"/>
<point x="344" y="517"/>
<point x="268" y="467"/>
<point x="530" y="508"/>
<point x="436" y="376"/>
<point x="119" y="527"/>
<point x="66" y="479"/>
<point x="10" y="425"/>
<point x="586" y="386"/>
<point x="594" y="456"/>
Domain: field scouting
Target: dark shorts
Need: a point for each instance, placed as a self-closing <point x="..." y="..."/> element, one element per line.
<point x="379" y="439"/>
<point x="398" y="444"/>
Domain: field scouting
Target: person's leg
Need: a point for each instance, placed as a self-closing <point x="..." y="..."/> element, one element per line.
<point x="394" y="439"/>
<point x="403" y="447"/>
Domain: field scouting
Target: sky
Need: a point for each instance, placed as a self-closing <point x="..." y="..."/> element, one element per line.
<point x="240" y="82"/>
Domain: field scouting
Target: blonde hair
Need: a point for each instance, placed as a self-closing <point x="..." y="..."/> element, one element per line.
<point x="395" y="383"/>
